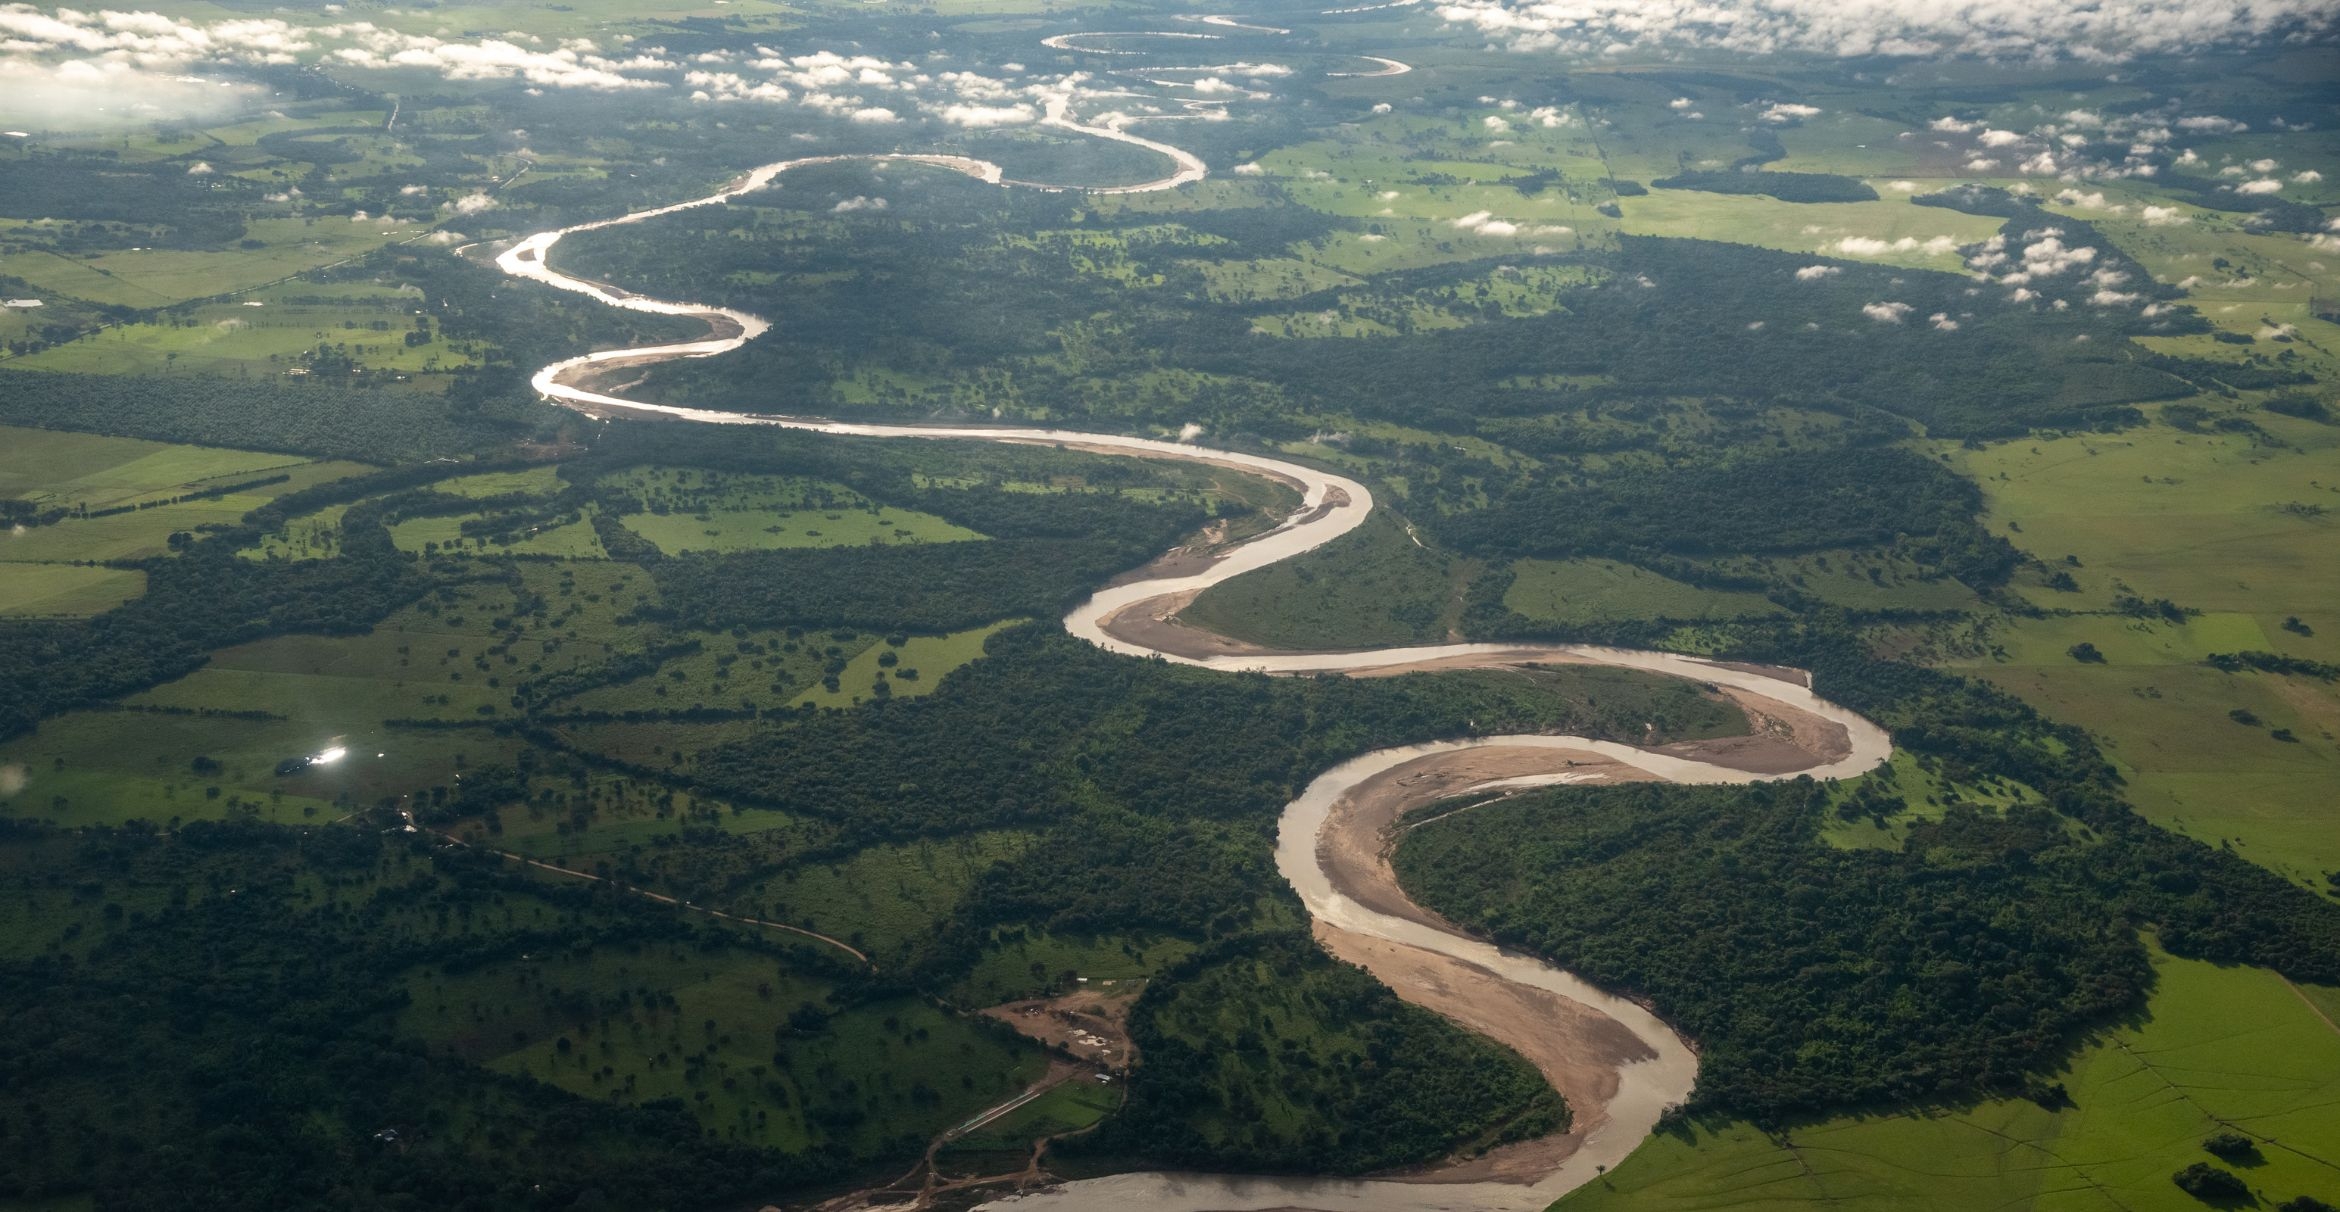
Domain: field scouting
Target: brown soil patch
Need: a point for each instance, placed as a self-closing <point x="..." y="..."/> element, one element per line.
<point x="1784" y="739"/>
<point x="1578" y="1050"/>
<point x="1153" y="623"/>
<point x="1091" y="1023"/>
<point x="1793" y="677"/>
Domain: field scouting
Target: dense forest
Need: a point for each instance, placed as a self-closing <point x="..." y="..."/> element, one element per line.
<point x="230" y="1045"/>
<point x="1395" y="1081"/>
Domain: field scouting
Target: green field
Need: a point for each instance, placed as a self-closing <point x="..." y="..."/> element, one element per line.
<point x="2218" y="524"/>
<point x="1067" y="1107"/>
<point x="83" y="474"/>
<point x="1605" y="591"/>
<point x="758" y="1054"/>
<point x="65" y="589"/>
<point x="272" y="331"/>
<point x="2220" y="1049"/>
<point x="1377" y="585"/>
<point x="683" y="509"/>
<point x="906" y="670"/>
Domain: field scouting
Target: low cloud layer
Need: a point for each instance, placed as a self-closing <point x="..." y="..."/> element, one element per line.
<point x="2107" y="30"/>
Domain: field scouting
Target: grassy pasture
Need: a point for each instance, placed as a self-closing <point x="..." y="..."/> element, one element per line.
<point x="685" y="509"/>
<point x="2220" y="1049"/>
<point x="158" y="277"/>
<point x="2217" y="524"/>
<point x="1856" y="579"/>
<point x="1925" y="796"/>
<point x="757" y="1052"/>
<point x="568" y="540"/>
<point x="54" y="469"/>
<point x="1604" y="591"/>
<point x="315" y="536"/>
<point x="1027" y="962"/>
<point x="763" y="667"/>
<point x="237" y="338"/>
<point x="920" y="663"/>
<point x="65" y="589"/>
<point x="1813" y="227"/>
<point x="454" y="658"/>
<point x="1374" y="586"/>
<point x="883" y="899"/>
<point x="1068" y="1107"/>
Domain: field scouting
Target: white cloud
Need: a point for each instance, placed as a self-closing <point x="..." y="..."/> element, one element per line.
<point x="1249" y="170"/>
<point x="2089" y="201"/>
<point x="1680" y="103"/>
<point x="1486" y="224"/>
<point x="2105" y="31"/>
<point x="875" y="115"/>
<point x="84" y="94"/>
<point x="2264" y="185"/>
<point x="1494" y="123"/>
<point x="2306" y="177"/>
<point x="2048" y="255"/>
<point x="1382" y="107"/>
<point x="1999" y="138"/>
<point x="1870" y="246"/>
<point x="1942" y="322"/>
<point x="472" y="204"/>
<point x="857" y="202"/>
<point x="200" y="168"/>
<point x="989" y="115"/>
<point x="2162" y="216"/>
<point x="1886" y="313"/>
<point x="1813" y="273"/>
<point x="1783" y="111"/>
<point x="1903" y="187"/>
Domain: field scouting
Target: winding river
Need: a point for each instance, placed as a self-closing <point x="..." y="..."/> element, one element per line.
<point x="1618" y="1064"/>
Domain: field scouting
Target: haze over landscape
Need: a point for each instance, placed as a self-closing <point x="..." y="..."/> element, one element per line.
<point x="1028" y="604"/>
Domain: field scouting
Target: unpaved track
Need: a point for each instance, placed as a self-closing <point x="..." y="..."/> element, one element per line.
<point x="1619" y="1065"/>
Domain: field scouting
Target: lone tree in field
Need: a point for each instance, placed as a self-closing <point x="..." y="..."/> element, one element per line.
<point x="2233" y="1146"/>
<point x="2086" y="653"/>
<point x="2204" y="1181"/>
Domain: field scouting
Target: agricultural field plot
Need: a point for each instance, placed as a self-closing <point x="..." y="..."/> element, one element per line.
<point x="2218" y="1050"/>
<point x="1820" y="228"/>
<point x="64" y="589"/>
<point x="1603" y="591"/>
<point x="571" y="539"/>
<point x="1068" y="1107"/>
<point x="758" y="1053"/>
<point x="280" y="330"/>
<point x="710" y="669"/>
<point x="884" y="900"/>
<point x="161" y="277"/>
<point x="1856" y="579"/>
<point x="139" y="492"/>
<point x="210" y="744"/>
<point x="684" y="510"/>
